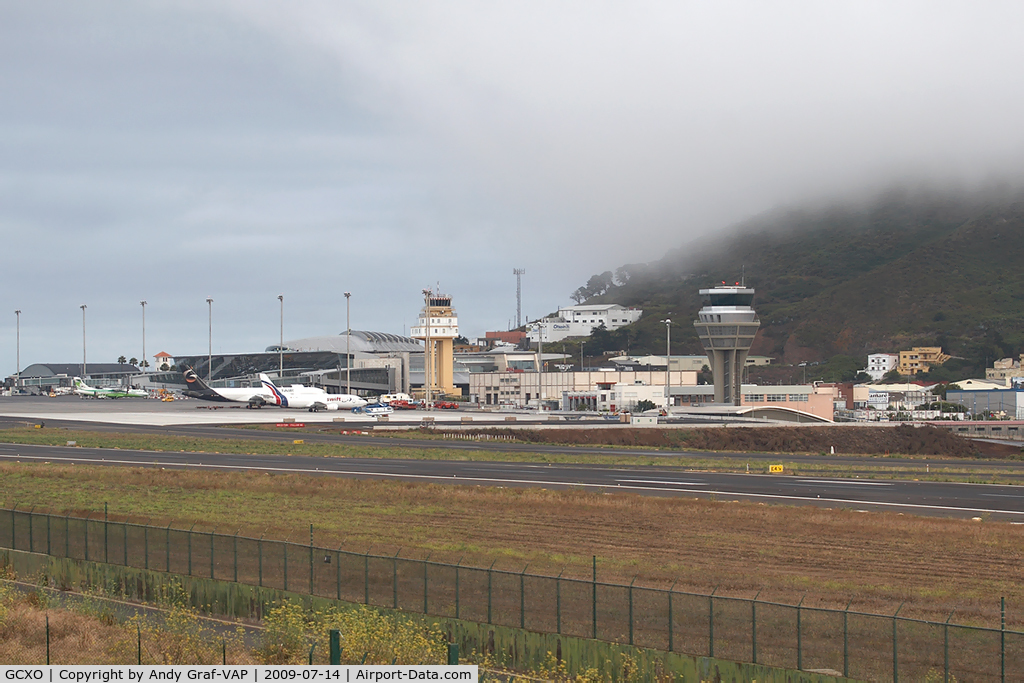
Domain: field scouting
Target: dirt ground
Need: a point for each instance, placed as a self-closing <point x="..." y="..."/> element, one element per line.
<point x="878" y="559"/>
<point x="902" y="439"/>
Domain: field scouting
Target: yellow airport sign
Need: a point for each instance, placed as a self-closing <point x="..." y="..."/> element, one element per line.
<point x="298" y="441"/>
<point x="775" y="469"/>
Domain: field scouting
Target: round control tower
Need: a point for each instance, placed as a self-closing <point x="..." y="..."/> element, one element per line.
<point x="726" y="327"/>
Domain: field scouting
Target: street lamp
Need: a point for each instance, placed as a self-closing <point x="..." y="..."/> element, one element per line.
<point x="143" y="362"/>
<point x="668" y="363"/>
<point x="83" y="307"/>
<point x="582" y="343"/>
<point x="427" y="351"/>
<point x="280" y="347"/>
<point x="209" y="366"/>
<point x="348" y="346"/>
<point x="17" y="375"/>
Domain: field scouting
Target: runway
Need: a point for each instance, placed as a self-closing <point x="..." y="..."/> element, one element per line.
<point x="913" y="497"/>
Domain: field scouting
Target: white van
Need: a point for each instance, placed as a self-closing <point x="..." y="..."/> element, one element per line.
<point x="388" y="398"/>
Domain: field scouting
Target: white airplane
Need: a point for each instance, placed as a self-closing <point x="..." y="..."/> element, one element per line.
<point x="83" y="389"/>
<point x="311" y="398"/>
<point x="256" y="397"/>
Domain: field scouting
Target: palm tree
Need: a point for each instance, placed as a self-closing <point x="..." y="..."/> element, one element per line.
<point x="122" y="360"/>
<point x="133" y="361"/>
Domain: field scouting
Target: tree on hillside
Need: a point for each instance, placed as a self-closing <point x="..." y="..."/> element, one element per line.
<point x="892" y="376"/>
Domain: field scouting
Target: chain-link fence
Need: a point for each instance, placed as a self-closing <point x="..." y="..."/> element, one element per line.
<point x="856" y="644"/>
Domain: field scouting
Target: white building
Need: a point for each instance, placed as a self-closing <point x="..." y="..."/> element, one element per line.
<point x="881" y="363"/>
<point x="580" y="321"/>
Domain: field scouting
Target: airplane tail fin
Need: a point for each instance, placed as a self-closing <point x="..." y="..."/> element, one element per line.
<point x="194" y="381"/>
<point x="279" y="398"/>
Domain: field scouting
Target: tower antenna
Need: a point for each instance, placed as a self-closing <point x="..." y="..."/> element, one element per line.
<point x="518" y="272"/>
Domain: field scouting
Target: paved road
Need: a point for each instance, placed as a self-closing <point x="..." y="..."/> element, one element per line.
<point x="854" y="463"/>
<point x="930" y="498"/>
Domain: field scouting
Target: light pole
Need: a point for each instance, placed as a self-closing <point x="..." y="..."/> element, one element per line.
<point x="348" y="345"/>
<point x="280" y="347"/>
<point x="83" y="307"/>
<point x="17" y="375"/>
<point x="427" y="351"/>
<point x="209" y="360"/>
<point x="582" y="344"/>
<point x="143" y="362"/>
<point x="668" y="363"/>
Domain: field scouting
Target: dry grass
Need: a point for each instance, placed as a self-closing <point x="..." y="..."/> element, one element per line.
<point x="880" y="559"/>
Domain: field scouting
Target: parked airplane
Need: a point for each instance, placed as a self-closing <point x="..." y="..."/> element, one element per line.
<point x="83" y="389"/>
<point x="256" y="397"/>
<point x="310" y="398"/>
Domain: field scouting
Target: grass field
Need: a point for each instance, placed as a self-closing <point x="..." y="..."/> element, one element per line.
<point x="879" y="559"/>
<point x="985" y="472"/>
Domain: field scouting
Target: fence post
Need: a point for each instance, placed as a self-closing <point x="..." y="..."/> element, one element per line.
<point x="47" y="639"/>
<point x="145" y="541"/>
<point x="105" y="553"/>
<point x="366" y="577"/>
<point x="522" y="597"/>
<point x="190" y="547"/>
<point x="311" y="591"/>
<point x="711" y="623"/>
<point x="138" y="643"/>
<point x="212" y="534"/>
<point x="67" y="535"/>
<point x="337" y="565"/>
<point x="14" y="544"/>
<point x="670" y="619"/>
<point x="31" y="547"/>
<point x="558" y="602"/>
<point x="945" y="649"/>
<point x="1002" y="639"/>
<point x="846" y="640"/>
<point x="593" y="600"/>
<point x="48" y="534"/>
<point x="489" y="572"/>
<point x="86" y="522"/>
<point x="167" y="548"/>
<point x="259" y="545"/>
<point x="425" y="583"/>
<point x="895" y="649"/>
<point x="800" y="636"/>
<point x="753" y="628"/>
<point x="284" y="553"/>
<point x="631" y="609"/>
<point x="235" y="561"/>
<point x="394" y="585"/>
<point x="124" y="538"/>
<point x="335" y="646"/>
<point x="457" y="587"/>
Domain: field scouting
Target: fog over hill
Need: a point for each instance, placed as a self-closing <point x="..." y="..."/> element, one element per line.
<point x="908" y="267"/>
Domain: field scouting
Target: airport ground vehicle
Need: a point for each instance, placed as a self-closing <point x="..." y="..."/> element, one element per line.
<point x="446" y="405"/>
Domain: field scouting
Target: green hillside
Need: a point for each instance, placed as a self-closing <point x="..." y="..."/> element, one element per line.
<point x="925" y="269"/>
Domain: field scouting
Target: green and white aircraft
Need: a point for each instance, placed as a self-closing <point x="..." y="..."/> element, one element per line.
<point x="83" y="389"/>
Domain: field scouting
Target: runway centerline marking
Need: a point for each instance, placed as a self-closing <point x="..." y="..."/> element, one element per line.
<point x="664" y="481"/>
<point x="494" y="480"/>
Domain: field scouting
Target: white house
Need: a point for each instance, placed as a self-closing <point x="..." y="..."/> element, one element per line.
<point x="881" y="363"/>
<point x="580" y="321"/>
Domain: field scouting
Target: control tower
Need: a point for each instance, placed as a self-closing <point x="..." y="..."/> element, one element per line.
<point x="438" y="336"/>
<point x="726" y="327"/>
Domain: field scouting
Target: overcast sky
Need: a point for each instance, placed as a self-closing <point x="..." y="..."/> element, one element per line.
<point x="170" y="151"/>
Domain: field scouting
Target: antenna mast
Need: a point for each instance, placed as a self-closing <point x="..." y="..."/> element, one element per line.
<point x="518" y="272"/>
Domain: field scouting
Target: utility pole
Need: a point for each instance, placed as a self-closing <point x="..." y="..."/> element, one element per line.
<point x="427" y="351"/>
<point x="518" y="272"/>
<point x="280" y="347"/>
<point x="668" y="363"/>
<point x="143" y="361"/>
<point x="17" y="375"/>
<point x="348" y="345"/>
<point x="209" y="367"/>
<point x="83" y="307"/>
